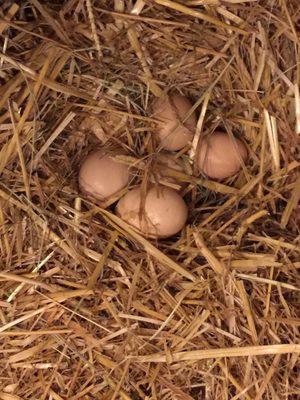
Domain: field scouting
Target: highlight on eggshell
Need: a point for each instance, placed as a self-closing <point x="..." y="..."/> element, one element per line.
<point x="164" y="213"/>
<point x="220" y="155"/>
<point x="101" y="176"/>
<point x="174" y="130"/>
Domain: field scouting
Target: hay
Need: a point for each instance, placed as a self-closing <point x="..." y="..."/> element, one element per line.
<point x="90" y="309"/>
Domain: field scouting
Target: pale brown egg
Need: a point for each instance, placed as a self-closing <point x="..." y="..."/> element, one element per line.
<point x="173" y="129"/>
<point x="220" y="155"/>
<point x="164" y="213"/>
<point x="101" y="176"/>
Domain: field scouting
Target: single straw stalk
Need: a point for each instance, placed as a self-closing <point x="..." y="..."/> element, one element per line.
<point x="273" y="138"/>
<point x="197" y="355"/>
<point x="297" y="108"/>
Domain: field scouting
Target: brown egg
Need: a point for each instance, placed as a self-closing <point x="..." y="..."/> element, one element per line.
<point x="174" y="133"/>
<point x="101" y="176"/>
<point x="221" y="156"/>
<point x="164" y="214"/>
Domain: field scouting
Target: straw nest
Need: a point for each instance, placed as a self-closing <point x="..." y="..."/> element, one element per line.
<point x="89" y="308"/>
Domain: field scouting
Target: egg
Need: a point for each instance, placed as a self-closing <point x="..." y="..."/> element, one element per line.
<point x="101" y="176"/>
<point x="220" y="155"/>
<point x="163" y="213"/>
<point x="173" y="130"/>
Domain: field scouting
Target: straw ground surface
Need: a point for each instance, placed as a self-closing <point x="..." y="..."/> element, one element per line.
<point x="90" y="309"/>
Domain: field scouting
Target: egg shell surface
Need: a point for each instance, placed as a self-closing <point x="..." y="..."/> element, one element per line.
<point x="164" y="214"/>
<point x="173" y="129"/>
<point x="220" y="155"/>
<point x="101" y="176"/>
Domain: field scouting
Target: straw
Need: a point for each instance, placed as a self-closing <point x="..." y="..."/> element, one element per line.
<point x="89" y="307"/>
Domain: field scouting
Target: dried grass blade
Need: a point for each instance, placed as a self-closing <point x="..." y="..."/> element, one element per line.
<point x="241" y="1"/>
<point x="291" y="205"/>
<point x="215" y="264"/>
<point x="64" y="295"/>
<point x="272" y="370"/>
<point x="25" y="317"/>
<point x="8" y="396"/>
<point x="23" y="355"/>
<point x="198" y="14"/>
<point x="197" y="355"/>
<point x="268" y="281"/>
<point x="199" y="125"/>
<point x="229" y="15"/>
<point x="274" y="243"/>
<point x="19" y="278"/>
<point x="136" y="17"/>
<point x="260" y="69"/>
<point x="20" y="153"/>
<point x="297" y="108"/>
<point x="9" y="15"/>
<point x="63" y="124"/>
<point x="40" y="332"/>
<point x="55" y="395"/>
<point x="138" y="7"/>
<point x="100" y="265"/>
<point x="273" y="138"/>
<point x="247" y="222"/>
<point x="247" y="310"/>
<point x="93" y="27"/>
